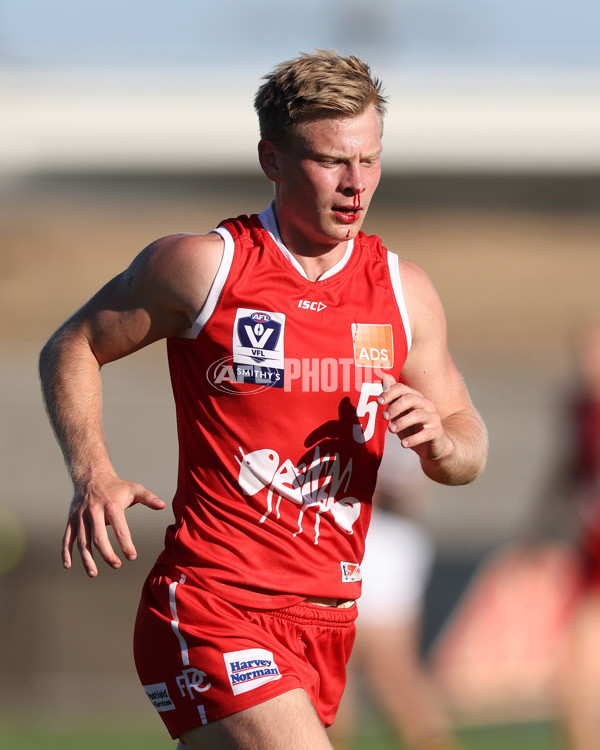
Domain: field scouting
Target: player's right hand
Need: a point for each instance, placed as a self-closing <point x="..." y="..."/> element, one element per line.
<point x="96" y="505"/>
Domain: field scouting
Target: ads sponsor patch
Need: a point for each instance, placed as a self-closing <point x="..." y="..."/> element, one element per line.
<point x="159" y="696"/>
<point x="351" y="572"/>
<point x="258" y="347"/>
<point x="373" y="345"/>
<point x="250" y="669"/>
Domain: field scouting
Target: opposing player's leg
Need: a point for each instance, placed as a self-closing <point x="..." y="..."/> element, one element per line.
<point x="402" y="685"/>
<point x="578" y="676"/>
<point x="286" y="722"/>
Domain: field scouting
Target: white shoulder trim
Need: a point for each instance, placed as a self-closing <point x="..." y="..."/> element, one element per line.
<point x="217" y="285"/>
<point x="394" y="267"/>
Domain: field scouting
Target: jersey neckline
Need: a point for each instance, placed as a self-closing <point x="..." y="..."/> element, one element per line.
<point x="269" y="224"/>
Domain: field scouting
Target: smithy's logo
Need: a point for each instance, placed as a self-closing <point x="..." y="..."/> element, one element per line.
<point x="222" y="376"/>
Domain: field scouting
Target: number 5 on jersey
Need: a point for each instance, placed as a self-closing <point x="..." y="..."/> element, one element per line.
<point x="366" y="408"/>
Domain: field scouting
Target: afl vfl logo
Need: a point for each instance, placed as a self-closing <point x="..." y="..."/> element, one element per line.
<point x="258" y="347"/>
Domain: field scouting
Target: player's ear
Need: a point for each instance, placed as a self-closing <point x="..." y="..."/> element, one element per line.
<point x="268" y="156"/>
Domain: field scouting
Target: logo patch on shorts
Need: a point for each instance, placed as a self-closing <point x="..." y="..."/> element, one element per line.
<point x="159" y="696"/>
<point x="250" y="669"/>
<point x="350" y="572"/>
<point x="192" y="681"/>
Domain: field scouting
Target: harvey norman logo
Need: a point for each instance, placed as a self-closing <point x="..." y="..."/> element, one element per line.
<point x="250" y="668"/>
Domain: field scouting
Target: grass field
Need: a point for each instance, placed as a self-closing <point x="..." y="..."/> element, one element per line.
<point x="538" y="736"/>
<point x="17" y="735"/>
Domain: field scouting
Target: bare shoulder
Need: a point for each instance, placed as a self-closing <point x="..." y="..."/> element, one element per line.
<point x="179" y="268"/>
<point x="183" y="253"/>
<point x="412" y="275"/>
<point x="423" y="303"/>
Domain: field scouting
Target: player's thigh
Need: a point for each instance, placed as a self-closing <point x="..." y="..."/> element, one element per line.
<point x="286" y="722"/>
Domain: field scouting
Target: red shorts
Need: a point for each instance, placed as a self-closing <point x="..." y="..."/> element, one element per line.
<point x="201" y="658"/>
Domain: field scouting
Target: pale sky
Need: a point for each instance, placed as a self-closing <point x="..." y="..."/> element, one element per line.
<point x="233" y="33"/>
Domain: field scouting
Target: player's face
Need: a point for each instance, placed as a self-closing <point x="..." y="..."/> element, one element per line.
<point x="327" y="177"/>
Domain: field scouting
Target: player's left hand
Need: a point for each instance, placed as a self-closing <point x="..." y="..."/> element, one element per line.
<point x="415" y="419"/>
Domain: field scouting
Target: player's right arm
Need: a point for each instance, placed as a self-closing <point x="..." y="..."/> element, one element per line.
<point x="158" y="295"/>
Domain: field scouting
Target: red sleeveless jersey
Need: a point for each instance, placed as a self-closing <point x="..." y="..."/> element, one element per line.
<point x="280" y="434"/>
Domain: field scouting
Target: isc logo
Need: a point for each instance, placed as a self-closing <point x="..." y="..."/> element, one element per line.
<point x="306" y="304"/>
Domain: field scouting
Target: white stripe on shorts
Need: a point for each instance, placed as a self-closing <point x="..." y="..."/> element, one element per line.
<point x="185" y="658"/>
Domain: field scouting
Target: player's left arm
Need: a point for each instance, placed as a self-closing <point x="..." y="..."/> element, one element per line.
<point x="430" y="409"/>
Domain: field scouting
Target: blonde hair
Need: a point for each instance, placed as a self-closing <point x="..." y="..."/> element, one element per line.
<point x="321" y="84"/>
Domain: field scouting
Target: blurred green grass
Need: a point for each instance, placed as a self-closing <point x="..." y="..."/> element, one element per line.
<point x="523" y="737"/>
<point x="92" y="738"/>
<point x="530" y="736"/>
<point x="26" y="734"/>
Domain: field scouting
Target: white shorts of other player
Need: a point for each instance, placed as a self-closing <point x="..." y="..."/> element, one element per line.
<point x="395" y="570"/>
